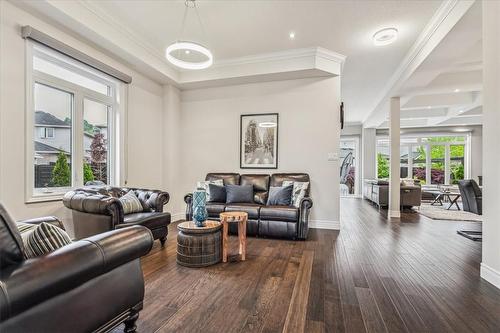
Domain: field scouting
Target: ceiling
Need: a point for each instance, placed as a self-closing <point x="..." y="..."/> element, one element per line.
<point x="446" y="89"/>
<point x="240" y="28"/>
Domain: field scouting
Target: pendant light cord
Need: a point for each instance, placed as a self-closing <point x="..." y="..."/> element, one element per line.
<point x="184" y="18"/>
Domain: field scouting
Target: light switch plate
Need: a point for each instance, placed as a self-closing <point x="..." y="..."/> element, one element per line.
<point x="333" y="156"/>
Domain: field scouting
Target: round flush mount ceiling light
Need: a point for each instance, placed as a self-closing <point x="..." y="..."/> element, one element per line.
<point x="185" y="54"/>
<point x="189" y="47"/>
<point x="267" y="124"/>
<point x="385" y="36"/>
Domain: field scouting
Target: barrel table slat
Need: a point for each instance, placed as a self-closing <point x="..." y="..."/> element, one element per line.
<point x="199" y="246"/>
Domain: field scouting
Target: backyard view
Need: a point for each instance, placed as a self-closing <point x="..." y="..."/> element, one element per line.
<point x="438" y="148"/>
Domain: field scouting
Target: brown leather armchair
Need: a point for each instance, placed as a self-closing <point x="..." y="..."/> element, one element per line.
<point x="263" y="220"/>
<point x="91" y="285"/>
<point x="96" y="209"/>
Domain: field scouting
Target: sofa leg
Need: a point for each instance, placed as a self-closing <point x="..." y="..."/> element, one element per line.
<point x="163" y="240"/>
<point x="130" y="326"/>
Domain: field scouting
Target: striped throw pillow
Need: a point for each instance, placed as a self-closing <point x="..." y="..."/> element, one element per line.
<point x="131" y="203"/>
<point x="43" y="238"/>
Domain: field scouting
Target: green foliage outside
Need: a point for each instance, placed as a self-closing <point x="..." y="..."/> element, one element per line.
<point x="88" y="175"/>
<point x="61" y="174"/>
<point x="382" y="166"/>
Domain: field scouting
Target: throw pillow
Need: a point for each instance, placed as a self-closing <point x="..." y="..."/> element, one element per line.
<point x="204" y="185"/>
<point x="407" y="182"/>
<point x="43" y="238"/>
<point x="217" y="193"/>
<point x="239" y="193"/>
<point x="280" y="196"/>
<point x="131" y="203"/>
<point x="299" y="191"/>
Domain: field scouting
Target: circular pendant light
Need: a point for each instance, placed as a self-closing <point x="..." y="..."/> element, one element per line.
<point x="385" y="36"/>
<point x="176" y="50"/>
<point x="189" y="47"/>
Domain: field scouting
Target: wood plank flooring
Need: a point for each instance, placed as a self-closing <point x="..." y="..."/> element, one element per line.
<point x="376" y="275"/>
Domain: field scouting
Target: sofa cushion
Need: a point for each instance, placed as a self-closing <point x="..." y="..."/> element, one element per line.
<point x="281" y="196"/>
<point x="11" y="244"/>
<point x="206" y="186"/>
<point x="251" y="209"/>
<point x="228" y="178"/>
<point x="260" y="185"/>
<point x="152" y="220"/>
<point x="299" y="191"/>
<point x="217" y="193"/>
<point x="215" y="208"/>
<point x="279" y="213"/>
<point x="239" y="194"/>
<point x="277" y="179"/>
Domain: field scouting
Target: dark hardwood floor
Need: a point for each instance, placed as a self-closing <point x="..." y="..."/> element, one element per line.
<point x="416" y="275"/>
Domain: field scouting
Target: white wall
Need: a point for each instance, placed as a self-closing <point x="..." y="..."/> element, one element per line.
<point x="145" y="144"/>
<point x="490" y="266"/>
<point x="308" y="131"/>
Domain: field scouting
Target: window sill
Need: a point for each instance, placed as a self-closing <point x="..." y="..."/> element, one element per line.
<point x="45" y="198"/>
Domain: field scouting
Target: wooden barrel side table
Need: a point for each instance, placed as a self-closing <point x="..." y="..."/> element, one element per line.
<point x="234" y="217"/>
<point x="199" y="246"/>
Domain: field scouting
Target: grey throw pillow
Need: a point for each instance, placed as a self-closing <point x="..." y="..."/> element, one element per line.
<point x="280" y="196"/>
<point x="131" y="203"/>
<point x="204" y="185"/>
<point x="299" y="191"/>
<point x="217" y="193"/>
<point x="42" y="238"/>
<point x="239" y="193"/>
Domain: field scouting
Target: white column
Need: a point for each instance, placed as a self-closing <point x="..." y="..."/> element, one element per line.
<point x="394" y="173"/>
<point x="490" y="266"/>
<point x="369" y="160"/>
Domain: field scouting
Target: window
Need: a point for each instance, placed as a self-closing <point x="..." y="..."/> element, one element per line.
<point x="437" y="160"/>
<point x="72" y="109"/>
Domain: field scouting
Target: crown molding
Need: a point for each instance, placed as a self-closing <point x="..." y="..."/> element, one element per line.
<point x="445" y="18"/>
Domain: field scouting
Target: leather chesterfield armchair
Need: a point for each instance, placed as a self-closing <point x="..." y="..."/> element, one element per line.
<point x="268" y="221"/>
<point x="96" y="209"/>
<point x="91" y="285"/>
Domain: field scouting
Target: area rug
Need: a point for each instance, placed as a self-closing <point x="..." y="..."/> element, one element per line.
<point x="441" y="213"/>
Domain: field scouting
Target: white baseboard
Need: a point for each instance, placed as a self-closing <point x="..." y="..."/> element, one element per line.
<point x="491" y="275"/>
<point x="394" y="213"/>
<point x="324" y="224"/>
<point x="178" y="216"/>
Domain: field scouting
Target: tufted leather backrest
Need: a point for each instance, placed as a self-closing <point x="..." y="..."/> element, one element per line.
<point x="228" y="178"/>
<point x="277" y="179"/>
<point x="11" y="244"/>
<point x="260" y="185"/>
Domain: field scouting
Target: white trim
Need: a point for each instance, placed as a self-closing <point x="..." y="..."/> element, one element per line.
<point x="491" y="275"/>
<point x="394" y="213"/>
<point x="324" y="224"/>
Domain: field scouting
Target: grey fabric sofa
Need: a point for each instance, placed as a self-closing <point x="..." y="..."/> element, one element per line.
<point x="268" y="221"/>
<point x="377" y="191"/>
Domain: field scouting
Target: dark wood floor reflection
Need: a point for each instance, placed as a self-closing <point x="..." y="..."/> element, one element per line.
<point x="416" y="275"/>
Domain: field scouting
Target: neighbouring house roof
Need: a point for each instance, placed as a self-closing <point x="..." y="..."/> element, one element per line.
<point x="46" y="149"/>
<point x="44" y="118"/>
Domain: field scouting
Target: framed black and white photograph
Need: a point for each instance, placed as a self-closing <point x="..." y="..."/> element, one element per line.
<point x="259" y="141"/>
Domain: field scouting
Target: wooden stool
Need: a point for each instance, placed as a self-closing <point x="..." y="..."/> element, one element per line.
<point x="234" y="217"/>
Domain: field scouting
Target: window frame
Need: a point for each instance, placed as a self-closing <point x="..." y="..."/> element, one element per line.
<point x="427" y="145"/>
<point x="116" y="129"/>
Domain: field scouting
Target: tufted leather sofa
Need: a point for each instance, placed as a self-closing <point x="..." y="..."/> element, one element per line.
<point x="91" y="285"/>
<point x="263" y="220"/>
<point x="96" y="209"/>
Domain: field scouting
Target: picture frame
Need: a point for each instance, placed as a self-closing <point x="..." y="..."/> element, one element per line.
<point x="259" y="141"/>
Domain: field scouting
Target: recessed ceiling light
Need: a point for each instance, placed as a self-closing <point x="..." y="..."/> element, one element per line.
<point x="456" y="90"/>
<point x="461" y="111"/>
<point x="291" y="35"/>
<point x="385" y="36"/>
<point x="428" y="107"/>
<point x="187" y="51"/>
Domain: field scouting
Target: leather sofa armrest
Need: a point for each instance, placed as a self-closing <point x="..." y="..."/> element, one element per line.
<point x="94" y="203"/>
<point x="39" y="279"/>
<point x="188" y="199"/>
<point x="47" y="219"/>
<point x="154" y="199"/>
<point x="304" y="210"/>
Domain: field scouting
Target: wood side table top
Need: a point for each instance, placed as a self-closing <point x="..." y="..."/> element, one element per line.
<point x="190" y="227"/>
<point x="233" y="216"/>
